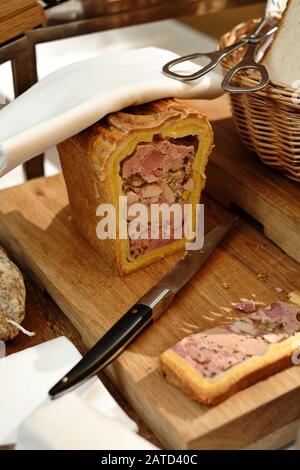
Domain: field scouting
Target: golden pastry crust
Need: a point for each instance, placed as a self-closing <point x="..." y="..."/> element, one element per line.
<point x="91" y="164"/>
<point x="180" y="373"/>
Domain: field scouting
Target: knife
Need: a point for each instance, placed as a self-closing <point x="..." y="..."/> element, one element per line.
<point x="141" y="315"/>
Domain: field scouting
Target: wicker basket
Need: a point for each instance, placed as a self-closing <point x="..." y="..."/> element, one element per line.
<point x="268" y="121"/>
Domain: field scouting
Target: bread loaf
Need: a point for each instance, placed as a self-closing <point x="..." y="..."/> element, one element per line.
<point x="282" y="59"/>
<point x="154" y="153"/>
<point x="12" y="297"/>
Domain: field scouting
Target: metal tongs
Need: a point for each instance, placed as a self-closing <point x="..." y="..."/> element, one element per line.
<point x="248" y="61"/>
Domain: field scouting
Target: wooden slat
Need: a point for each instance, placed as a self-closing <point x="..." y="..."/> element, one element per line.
<point x="10" y="7"/>
<point x="16" y="17"/>
<point x="200" y="6"/>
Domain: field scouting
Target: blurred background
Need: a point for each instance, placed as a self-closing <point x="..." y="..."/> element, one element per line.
<point x="183" y="35"/>
<point x="217" y="24"/>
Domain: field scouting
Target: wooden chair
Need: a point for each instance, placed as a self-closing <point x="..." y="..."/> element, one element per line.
<point x="16" y="17"/>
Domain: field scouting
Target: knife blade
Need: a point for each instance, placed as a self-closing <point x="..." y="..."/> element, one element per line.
<point x="141" y="315"/>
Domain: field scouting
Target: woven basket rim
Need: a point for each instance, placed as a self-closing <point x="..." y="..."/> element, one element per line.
<point x="268" y="121"/>
<point x="240" y="30"/>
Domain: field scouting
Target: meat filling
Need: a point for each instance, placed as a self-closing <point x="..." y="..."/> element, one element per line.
<point x="158" y="172"/>
<point x="213" y="351"/>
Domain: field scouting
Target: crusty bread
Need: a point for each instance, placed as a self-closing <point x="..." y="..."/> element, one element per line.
<point x="282" y="59"/>
<point x="211" y="391"/>
<point x="91" y="167"/>
<point x="12" y="297"/>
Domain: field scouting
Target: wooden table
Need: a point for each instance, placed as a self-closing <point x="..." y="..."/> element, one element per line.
<point x="44" y="316"/>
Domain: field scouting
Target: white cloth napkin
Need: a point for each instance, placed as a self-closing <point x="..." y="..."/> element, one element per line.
<point x="27" y="376"/>
<point x="75" y="97"/>
<point x="69" y="423"/>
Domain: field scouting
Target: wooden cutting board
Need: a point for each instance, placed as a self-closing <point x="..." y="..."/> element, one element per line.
<point x="36" y="229"/>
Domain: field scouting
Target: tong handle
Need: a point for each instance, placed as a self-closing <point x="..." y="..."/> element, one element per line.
<point x="247" y="63"/>
<point x="214" y="60"/>
<point x="214" y="57"/>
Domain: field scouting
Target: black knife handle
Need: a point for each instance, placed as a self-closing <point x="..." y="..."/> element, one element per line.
<point x="106" y="349"/>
